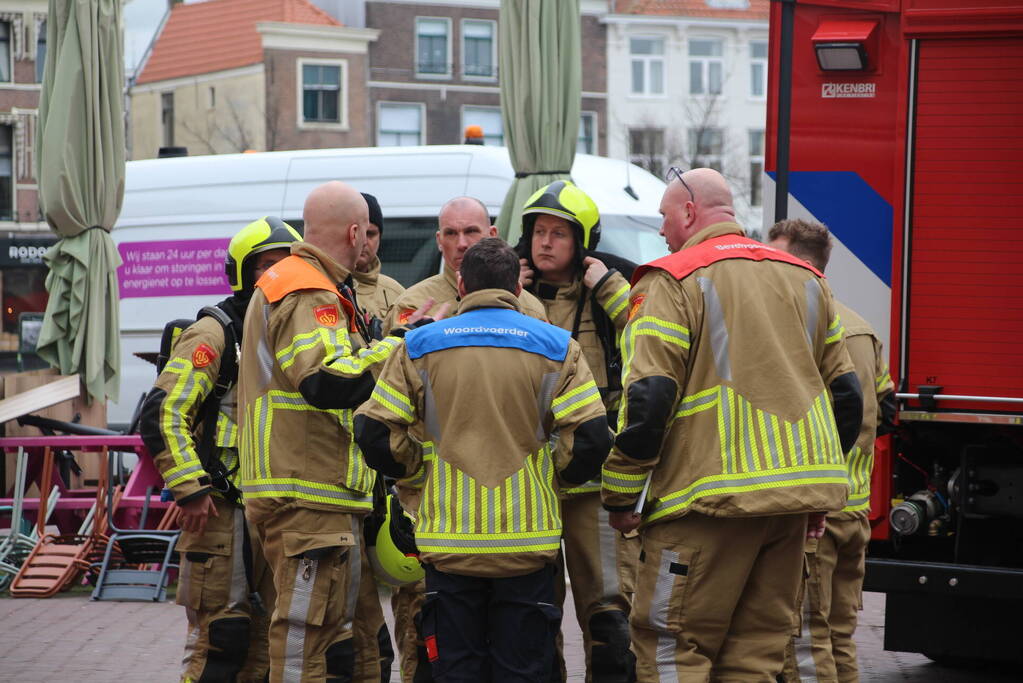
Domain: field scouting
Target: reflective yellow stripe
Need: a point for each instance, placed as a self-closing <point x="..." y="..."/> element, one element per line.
<point x="289" y="487"/>
<point x="189" y="389"/>
<point x="617" y="302"/>
<point x="664" y="330"/>
<point x="299" y="343"/>
<point x="393" y="400"/>
<point x="835" y="330"/>
<point x="742" y="482"/>
<point x="859" y="465"/>
<point x="356" y="364"/>
<point x="578" y="398"/>
<point x="622" y="482"/>
<point x="883" y="381"/>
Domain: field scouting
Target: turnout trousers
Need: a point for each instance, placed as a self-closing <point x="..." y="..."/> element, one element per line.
<point x="601" y="565"/>
<point x="490" y="629"/>
<point x="316" y="562"/>
<point x="716" y="598"/>
<point x="227" y="633"/>
<point x="823" y="649"/>
<point x="406" y="605"/>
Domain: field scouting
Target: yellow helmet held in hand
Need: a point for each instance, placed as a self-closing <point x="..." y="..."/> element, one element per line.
<point x="564" y="200"/>
<point x="265" y="234"/>
<point x="393" y="555"/>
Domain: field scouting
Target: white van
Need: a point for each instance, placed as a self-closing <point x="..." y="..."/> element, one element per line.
<point x="179" y="214"/>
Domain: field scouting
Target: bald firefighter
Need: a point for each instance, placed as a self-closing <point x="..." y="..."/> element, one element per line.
<point x="487" y="388"/>
<point x="833" y="589"/>
<point x="307" y="362"/>
<point x="462" y="222"/>
<point x="189" y="425"/>
<point x="560" y="230"/>
<point x="730" y="353"/>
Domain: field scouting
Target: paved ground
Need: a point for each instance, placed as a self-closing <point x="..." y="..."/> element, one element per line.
<point x="69" y="638"/>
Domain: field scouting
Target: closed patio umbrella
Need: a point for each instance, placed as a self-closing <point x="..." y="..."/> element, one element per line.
<point x="81" y="186"/>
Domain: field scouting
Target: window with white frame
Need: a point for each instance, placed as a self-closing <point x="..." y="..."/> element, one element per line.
<point x="646" y="149"/>
<point x="322" y="93"/>
<point x="706" y="66"/>
<point x="399" y="125"/>
<point x="41" y="52"/>
<point x="756" y="167"/>
<point x="647" y="55"/>
<point x="5" y="51"/>
<point x="479" y="56"/>
<point x="167" y="118"/>
<point x="706" y="147"/>
<point x="6" y="174"/>
<point x="433" y="47"/>
<point x="758" y="68"/>
<point x="586" y="143"/>
<point x="487" y="118"/>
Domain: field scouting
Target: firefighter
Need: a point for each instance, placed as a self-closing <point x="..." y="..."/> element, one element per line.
<point x="487" y="388"/>
<point x="729" y="355"/>
<point x="306" y="364"/>
<point x="462" y="222"/>
<point x="560" y="229"/>
<point x="196" y="389"/>
<point x="833" y="588"/>
<point x="376" y="292"/>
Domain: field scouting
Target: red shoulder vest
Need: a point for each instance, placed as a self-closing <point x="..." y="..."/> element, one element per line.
<point x="294" y="273"/>
<point x="683" y="263"/>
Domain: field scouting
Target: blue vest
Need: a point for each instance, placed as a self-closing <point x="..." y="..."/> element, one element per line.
<point x="497" y="327"/>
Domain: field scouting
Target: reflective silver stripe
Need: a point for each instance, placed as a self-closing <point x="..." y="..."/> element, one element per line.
<point x="797" y="444"/>
<point x="583" y="396"/>
<point x="691" y="403"/>
<point x="608" y="477"/>
<point x="715" y="315"/>
<point x="188" y="469"/>
<point x="177" y="425"/>
<point x="263" y="352"/>
<point x="647" y="324"/>
<point x="239" y="592"/>
<point x="262" y="435"/>
<point x="806" y="669"/>
<point x="285" y="400"/>
<point x="816" y="442"/>
<point x="430" y="410"/>
<point x="426" y="542"/>
<point x="772" y="442"/>
<point x="726" y="416"/>
<point x="659" y="607"/>
<point x="491" y="510"/>
<point x="535" y="491"/>
<point x="607" y="549"/>
<point x="748" y="441"/>
<point x="543" y="401"/>
<point x="300" y="343"/>
<point x="857" y="500"/>
<point x="673" y="499"/>
<point x="285" y="488"/>
<point x="813" y="301"/>
<point x="516" y="512"/>
<point x="441" y="524"/>
<point x="298" y="617"/>
<point x="354" y="575"/>
<point x="467" y="494"/>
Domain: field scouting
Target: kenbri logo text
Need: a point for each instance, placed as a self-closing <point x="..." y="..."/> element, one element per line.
<point x="487" y="330"/>
<point x="848" y="89"/>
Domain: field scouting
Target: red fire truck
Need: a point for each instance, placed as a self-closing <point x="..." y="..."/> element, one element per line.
<point x="899" y="124"/>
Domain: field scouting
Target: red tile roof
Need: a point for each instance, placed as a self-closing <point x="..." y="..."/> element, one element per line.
<point x="215" y="35"/>
<point x="721" y="9"/>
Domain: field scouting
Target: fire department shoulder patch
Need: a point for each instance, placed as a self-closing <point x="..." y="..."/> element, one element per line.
<point x="203" y="356"/>
<point x="405" y="315"/>
<point x="327" y="315"/>
<point x="636" y="303"/>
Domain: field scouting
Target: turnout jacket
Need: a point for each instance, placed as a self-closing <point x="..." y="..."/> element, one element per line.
<point x="304" y="368"/>
<point x="443" y="288"/>
<point x="867" y="354"/>
<point x="486" y="389"/>
<point x="375" y="291"/>
<point x="729" y="354"/>
<point x="170" y="426"/>
<point x="560" y="304"/>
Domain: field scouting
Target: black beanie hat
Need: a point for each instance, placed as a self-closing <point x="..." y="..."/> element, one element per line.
<point x="376" y="217"/>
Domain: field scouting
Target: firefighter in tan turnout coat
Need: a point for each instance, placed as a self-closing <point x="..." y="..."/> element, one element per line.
<point x="224" y="592"/>
<point x="486" y="389"/>
<point x="730" y="353"/>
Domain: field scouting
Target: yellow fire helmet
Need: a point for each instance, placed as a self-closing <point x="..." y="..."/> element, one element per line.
<point x="269" y="232"/>
<point x="563" y="199"/>
<point x="394" y="556"/>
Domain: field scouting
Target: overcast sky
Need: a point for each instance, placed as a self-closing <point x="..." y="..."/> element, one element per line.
<point x="141" y="19"/>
